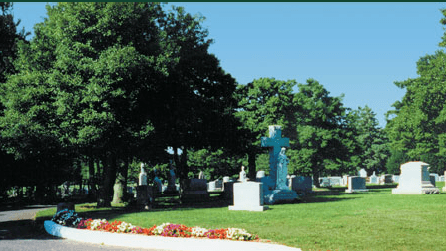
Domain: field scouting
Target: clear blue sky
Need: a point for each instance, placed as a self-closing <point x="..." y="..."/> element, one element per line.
<point x="355" y="49"/>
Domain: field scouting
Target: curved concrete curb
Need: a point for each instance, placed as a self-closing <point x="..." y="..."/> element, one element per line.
<point x="157" y="242"/>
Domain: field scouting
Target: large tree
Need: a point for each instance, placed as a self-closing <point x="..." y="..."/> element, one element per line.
<point x="195" y="105"/>
<point x="115" y="80"/>
<point x="264" y="102"/>
<point x="325" y="139"/>
<point x="372" y="142"/>
<point x="416" y="127"/>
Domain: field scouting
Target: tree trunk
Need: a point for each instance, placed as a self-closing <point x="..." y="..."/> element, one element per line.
<point x="92" y="183"/>
<point x="109" y="177"/>
<point x="121" y="184"/>
<point x="316" y="179"/>
<point x="252" y="166"/>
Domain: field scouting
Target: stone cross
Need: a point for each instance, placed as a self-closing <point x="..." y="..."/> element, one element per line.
<point x="275" y="142"/>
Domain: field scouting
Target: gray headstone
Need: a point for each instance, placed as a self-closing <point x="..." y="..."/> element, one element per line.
<point x="356" y="184"/>
<point x="301" y="184"/>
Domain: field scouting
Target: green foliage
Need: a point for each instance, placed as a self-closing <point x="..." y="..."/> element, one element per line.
<point x="113" y="82"/>
<point x="324" y="138"/>
<point x="372" y="152"/>
<point x="215" y="164"/>
<point x="264" y="102"/>
<point x="417" y="126"/>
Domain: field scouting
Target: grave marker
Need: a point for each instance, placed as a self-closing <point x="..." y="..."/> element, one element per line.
<point x="278" y="163"/>
<point x="415" y="179"/>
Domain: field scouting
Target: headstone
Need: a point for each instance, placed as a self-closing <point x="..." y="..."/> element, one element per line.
<point x="335" y="181"/>
<point x="201" y="175"/>
<point x="157" y="184"/>
<point x="142" y="176"/>
<point x="248" y="196"/>
<point x="194" y="190"/>
<point x="278" y="163"/>
<point x="242" y="177"/>
<point x="374" y="179"/>
<point x="432" y="179"/>
<point x="356" y="184"/>
<point x="260" y="174"/>
<point x="144" y="196"/>
<point x="344" y="180"/>
<point x="211" y="186"/>
<point x="362" y="173"/>
<point x="324" y="182"/>
<point x="444" y="188"/>
<point x="385" y="179"/>
<point x="395" y="178"/>
<point x="441" y="178"/>
<point x="415" y="179"/>
<point x="219" y="184"/>
<point x="436" y="176"/>
<point x="301" y="184"/>
<point x="171" y="186"/>
<point x="225" y="179"/>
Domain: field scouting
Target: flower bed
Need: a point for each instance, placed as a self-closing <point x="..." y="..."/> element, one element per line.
<point x="69" y="218"/>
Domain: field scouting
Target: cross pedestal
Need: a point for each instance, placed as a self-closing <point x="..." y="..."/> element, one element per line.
<point x="277" y="190"/>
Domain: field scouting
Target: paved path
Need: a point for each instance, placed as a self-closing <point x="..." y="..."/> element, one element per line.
<point x="18" y="231"/>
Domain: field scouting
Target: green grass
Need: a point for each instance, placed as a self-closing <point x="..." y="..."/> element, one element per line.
<point x="326" y="220"/>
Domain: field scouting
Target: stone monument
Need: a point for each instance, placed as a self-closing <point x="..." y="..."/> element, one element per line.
<point x="242" y="177"/>
<point x="444" y="177"/>
<point x="278" y="163"/>
<point x="248" y="196"/>
<point x="356" y="184"/>
<point x="142" y="176"/>
<point x="362" y="173"/>
<point x="143" y="192"/>
<point x="415" y="179"/>
<point x="157" y="184"/>
<point x="171" y="187"/>
<point x="374" y="179"/>
<point x="301" y="184"/>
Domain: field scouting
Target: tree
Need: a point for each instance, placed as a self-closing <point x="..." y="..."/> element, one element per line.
<point x="264" y="102"/>
<point x="416" y="126"/>
<point x="115" y="82"/>
<point x="324" y="138"/>
<point x="197" y="95"/>
<point x="419" y="119"/>
<point x="8" y="40"/>
<point x="372" y="142"/>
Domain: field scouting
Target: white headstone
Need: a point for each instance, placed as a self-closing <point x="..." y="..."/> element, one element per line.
<point x="362" y="173"/>
<point x="374" y="179"/>
<point x="260" y="174"/>
<point x="142" y="176"/>
<point x="201" y="175"/>
<point x="415" y="179"/>
<point x="248" y="196"/>
<point x="225" y="179"/>
<point x="444" y="179"/>
<point x="335" y="181"/>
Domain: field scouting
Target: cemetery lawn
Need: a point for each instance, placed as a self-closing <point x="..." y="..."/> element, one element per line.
<point x="326" y="220"/>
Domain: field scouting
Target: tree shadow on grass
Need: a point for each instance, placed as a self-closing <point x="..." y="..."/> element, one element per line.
<point x="332" y="195"/>
<point x="24" y="229"/>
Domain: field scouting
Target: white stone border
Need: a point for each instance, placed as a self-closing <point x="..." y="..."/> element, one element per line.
<point x="158" y="242"/>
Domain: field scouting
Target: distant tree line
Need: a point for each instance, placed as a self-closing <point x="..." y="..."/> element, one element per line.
<point x="102" y="87"/>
